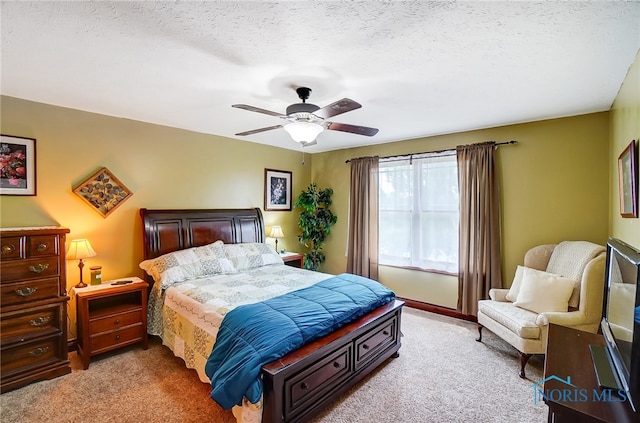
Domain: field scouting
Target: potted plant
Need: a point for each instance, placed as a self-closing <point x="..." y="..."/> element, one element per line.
<point x="315" y="222"/>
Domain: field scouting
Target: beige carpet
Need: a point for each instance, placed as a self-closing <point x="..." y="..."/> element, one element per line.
<point x="442" y="375"/>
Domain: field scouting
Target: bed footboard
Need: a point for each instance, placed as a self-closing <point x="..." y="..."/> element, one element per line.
<point x="304" y="382"/>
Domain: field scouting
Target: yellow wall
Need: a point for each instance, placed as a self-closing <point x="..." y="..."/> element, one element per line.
<point x="164" y="167"/>
<point x="559" y="182"/>
<point x="554" y="188"/>
<point x="625" y="126"/>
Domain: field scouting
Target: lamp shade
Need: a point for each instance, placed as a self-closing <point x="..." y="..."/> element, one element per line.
<point x="276" y="232"/>
<point x="303" y="131"/>
<point x="80" y="249"/>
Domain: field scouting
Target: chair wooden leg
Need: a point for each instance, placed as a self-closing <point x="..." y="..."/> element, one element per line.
<point x="479" y="339"/>
<point x="524" y="358"/>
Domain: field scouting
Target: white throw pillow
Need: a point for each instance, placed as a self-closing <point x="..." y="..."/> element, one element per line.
<point x="182" y="265"/>
<point x="541" y="291"/>
<point x="515" y="285"/>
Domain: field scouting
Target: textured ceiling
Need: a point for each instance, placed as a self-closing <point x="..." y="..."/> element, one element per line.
<point x="418" y="68"/>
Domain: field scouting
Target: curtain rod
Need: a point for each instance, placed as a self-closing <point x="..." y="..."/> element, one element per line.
<point x="435" y="152"/>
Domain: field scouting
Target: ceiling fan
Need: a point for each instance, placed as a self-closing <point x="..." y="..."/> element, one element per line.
<point x="307" y="120"/>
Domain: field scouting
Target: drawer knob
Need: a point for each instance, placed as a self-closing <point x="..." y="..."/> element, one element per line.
<point x="40" y="321"/>
<point x="336" y="364"/>
<point x="38" y="351"/>
<point x="8" y="248"/>
<point x="117" y="337"/>
<point x="25" y="292"/>
<point x="385" y="332"/>
<point x="43" y="246"/>
<point x="304" y="386"/>
<point x="365" y="347"/>
<point x="39" y="268"/>
<point x="117" y="321"/>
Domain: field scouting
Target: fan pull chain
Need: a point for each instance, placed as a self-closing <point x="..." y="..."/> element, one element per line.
<point x="303" y="158"/>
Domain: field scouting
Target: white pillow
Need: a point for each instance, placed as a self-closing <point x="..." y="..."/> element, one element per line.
<point x="249" y="255"/>
<point x="515" y="285"/>
<point x="541" y="291"/>
<point x="188" y="264"/>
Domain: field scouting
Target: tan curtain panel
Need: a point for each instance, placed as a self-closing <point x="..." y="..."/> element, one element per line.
<point x="479" y="249"/>
<point x="362" y="248"/>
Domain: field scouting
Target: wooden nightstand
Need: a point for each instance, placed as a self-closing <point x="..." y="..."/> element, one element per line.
<point x="111" y="317"/>
<point x="292" y="259"/>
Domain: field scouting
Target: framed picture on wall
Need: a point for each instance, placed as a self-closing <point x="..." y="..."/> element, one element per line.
<point x="277" y="190"/>
<point x="103" y="192"/>
<point x="17" y="165"/>
<point x="628" y="181"/>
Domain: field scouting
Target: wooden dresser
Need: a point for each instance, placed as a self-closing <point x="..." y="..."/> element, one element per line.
<point x="33" y="305"/>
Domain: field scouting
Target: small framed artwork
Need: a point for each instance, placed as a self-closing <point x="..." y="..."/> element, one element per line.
<point x="103" y="192"/>
<point x="628" y="181"/>
<point x="277" y="190"/>
<point x="17" y="165"/>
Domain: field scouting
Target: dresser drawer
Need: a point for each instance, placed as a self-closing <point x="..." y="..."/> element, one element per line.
<point x="31" y="323"/>
<point x="12" y="247"/>
<point x="29" y="269"/>
<point x="305" y="387"/>
<point x="43" y="245"/>
<point x="370" y="344"/>
<point x="117" y="338"/>
<point x="29" y="291"/>
<point x="113" y="322"/>
<point x="33" y="354"/>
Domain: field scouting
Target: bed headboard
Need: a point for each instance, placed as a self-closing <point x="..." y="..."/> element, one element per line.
<point x="171" y="230"/>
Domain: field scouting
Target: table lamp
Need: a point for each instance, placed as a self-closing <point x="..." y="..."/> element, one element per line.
<point x="80" y="249"/>
<point x="276" y="232"/>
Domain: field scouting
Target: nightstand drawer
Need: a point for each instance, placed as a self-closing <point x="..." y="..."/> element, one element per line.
<point x="116" y="339"/>
<point x="31" y="323"/>
<point x="29" y="355"/>
<point x="24" y="292"/>
<point x="12" y="247"/>
<point x="29" y="269"/>
<point x="113" y="322"/>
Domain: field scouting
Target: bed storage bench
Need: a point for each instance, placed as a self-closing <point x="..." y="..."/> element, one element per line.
<point x="307" y="380"/>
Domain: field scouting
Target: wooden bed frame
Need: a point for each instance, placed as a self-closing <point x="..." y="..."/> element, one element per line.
<point x="304" y="382"/>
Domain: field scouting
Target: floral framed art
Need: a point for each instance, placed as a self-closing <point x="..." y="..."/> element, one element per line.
<point x="17" y="165"/>
<point x="103" y="192"/>
<point x="628" y="181"/>
<point x="277" y="190"/>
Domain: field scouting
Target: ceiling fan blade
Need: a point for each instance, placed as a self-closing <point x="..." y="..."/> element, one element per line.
<point x="354" y="129"/>
<point x="310" y="143"/>
<point x="257" y="109"/>
<point x="255" y="131"/>
<point x="337" y="108"/>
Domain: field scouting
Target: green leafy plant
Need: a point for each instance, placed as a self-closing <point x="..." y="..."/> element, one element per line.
<point x="315" y="222"/>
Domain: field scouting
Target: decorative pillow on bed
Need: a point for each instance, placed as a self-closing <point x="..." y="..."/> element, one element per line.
<point x="188" y="264"/>
<point x="543" y="292"/>
<point x="250" y="255"/>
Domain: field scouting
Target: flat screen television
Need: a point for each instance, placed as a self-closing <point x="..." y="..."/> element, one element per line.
<point x="617" y="364"/>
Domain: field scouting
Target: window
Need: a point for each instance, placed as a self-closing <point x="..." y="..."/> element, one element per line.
<point x="418" y="208"/>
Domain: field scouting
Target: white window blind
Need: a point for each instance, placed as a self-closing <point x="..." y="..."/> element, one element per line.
<point x="418" y="205"/>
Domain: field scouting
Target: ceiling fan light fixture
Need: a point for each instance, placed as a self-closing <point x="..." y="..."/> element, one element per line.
<point x="303" y="132"/>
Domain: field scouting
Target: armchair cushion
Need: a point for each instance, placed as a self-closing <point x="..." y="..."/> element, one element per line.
<point x="518" y="320"/>
<point x="542" y="291"/>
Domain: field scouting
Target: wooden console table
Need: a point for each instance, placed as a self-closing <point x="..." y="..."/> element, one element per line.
<point x="568" y="356"/>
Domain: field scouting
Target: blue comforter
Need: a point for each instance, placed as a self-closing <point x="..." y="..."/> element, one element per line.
<point x="253" y="335"/>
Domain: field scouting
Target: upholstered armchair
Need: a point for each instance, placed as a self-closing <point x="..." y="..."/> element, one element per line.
<point x="559" y="283"/>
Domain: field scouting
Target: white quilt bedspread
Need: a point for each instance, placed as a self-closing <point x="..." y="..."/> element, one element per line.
<point x="187" y="315"/>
